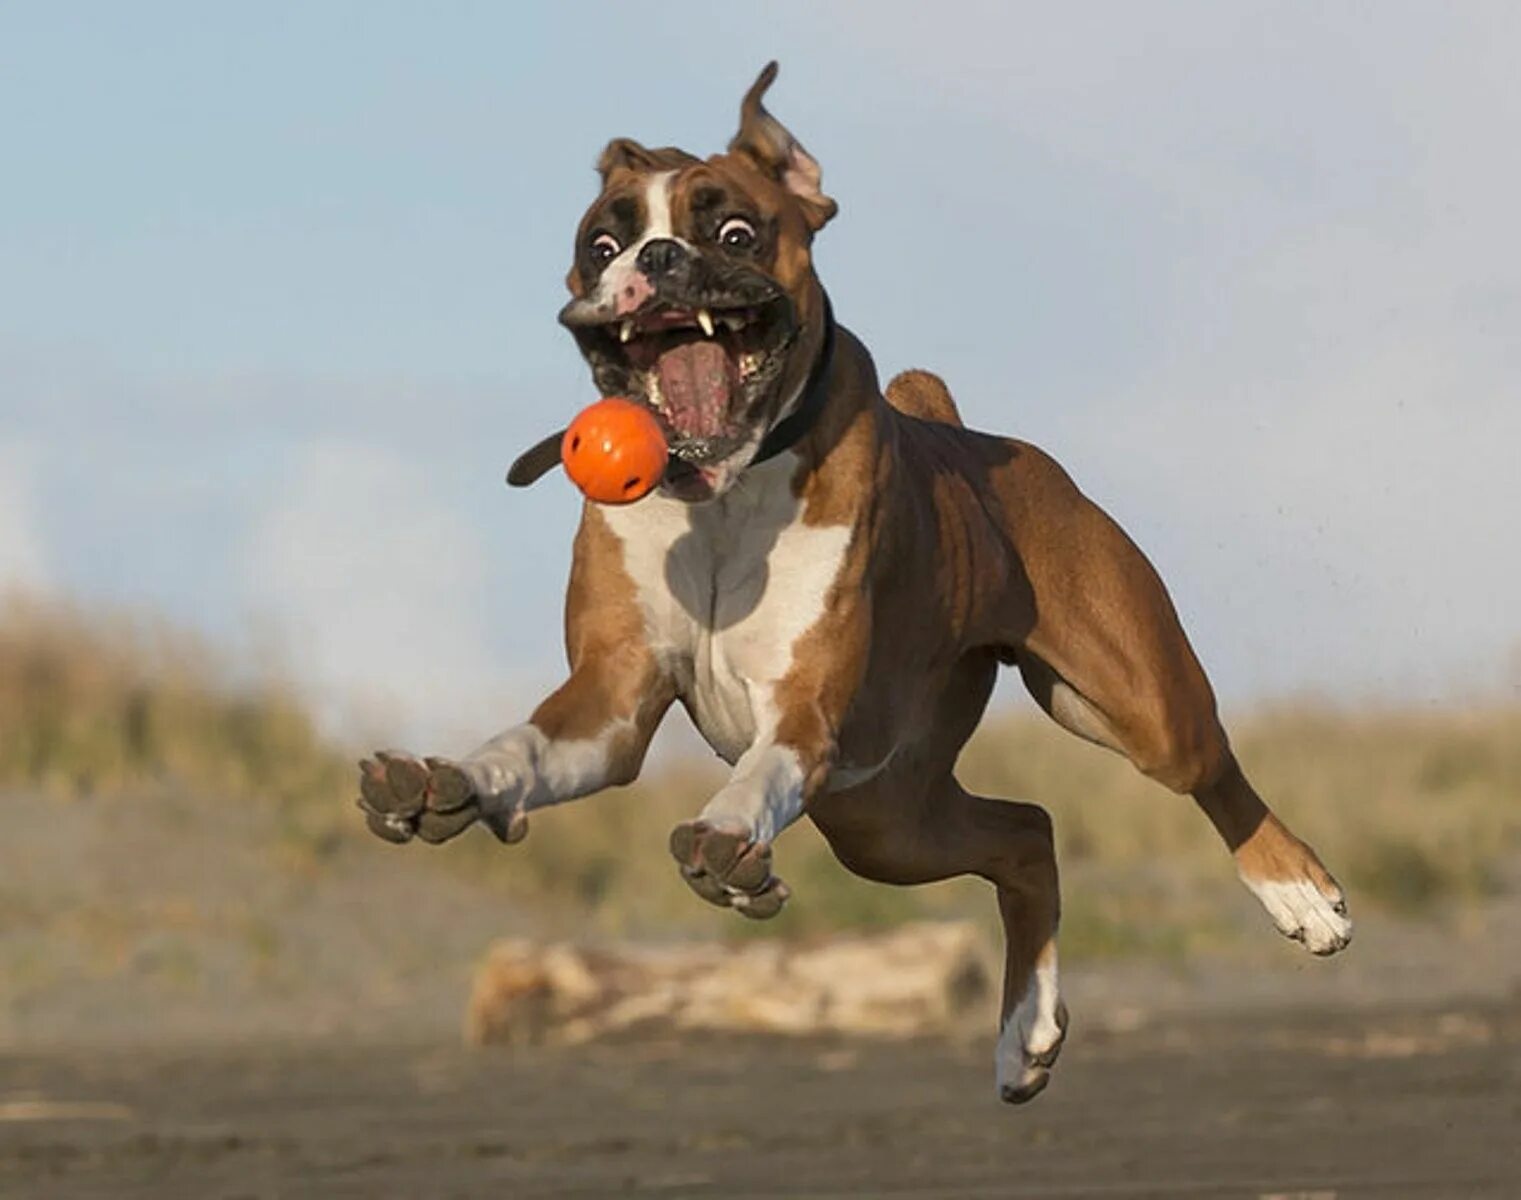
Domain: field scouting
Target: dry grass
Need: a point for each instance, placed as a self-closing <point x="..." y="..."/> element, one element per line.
<point x="110" y="704"/>
<point x="1418" y="813"/>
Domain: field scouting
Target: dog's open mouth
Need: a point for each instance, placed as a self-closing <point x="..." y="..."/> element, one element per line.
<point x="692" y="367"/>
<point x="705" y="371"/>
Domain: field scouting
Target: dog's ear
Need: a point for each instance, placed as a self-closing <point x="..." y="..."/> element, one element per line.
<point x="623" y="152"/>
<point x="629" y="154"/>
<point x="766" y="143"/>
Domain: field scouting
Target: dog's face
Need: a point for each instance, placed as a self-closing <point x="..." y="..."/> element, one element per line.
<point x="694" y="293"/>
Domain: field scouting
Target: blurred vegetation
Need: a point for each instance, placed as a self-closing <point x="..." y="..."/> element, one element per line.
<point x="1417" y="813"/>
<point x="112" y="704"/>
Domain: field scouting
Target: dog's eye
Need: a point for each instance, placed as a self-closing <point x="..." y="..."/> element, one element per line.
<point x="604" y="248"/>
<point x="736" y="233"/>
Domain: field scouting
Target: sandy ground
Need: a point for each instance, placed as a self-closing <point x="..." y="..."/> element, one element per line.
<point x="1311" y="1104"/>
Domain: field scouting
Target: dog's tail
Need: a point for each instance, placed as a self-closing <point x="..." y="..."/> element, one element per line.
<point x="924" y="395"/>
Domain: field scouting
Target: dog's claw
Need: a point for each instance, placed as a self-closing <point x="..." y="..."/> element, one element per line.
<point x="764" y="904"/>
<point x="389" y="828"/>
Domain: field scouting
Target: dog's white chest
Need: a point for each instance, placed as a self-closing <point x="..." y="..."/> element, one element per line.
<point x="727" y="588"/>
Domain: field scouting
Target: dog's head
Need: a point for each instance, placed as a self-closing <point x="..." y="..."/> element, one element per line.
<point x="694" y="292"/>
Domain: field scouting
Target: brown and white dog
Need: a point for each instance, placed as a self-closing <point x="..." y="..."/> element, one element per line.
<point x="828" y="579"/>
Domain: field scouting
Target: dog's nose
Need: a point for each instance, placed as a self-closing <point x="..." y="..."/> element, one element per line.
<point x="660" y="256"/>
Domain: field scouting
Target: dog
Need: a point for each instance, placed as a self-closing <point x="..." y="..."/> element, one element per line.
<point x="828" y="579"/>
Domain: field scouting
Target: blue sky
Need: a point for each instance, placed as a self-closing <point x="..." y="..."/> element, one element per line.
<point x="277" y="287"/>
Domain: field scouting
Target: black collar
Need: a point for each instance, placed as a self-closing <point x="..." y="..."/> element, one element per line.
<point x="792" y="428"/>
<point x="785" y="434"/>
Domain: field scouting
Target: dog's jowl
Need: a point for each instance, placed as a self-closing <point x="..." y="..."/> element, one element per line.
<point x="828" y="579"/>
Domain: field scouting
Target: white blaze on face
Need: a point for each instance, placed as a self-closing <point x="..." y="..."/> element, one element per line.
<point x="657" y="207"/>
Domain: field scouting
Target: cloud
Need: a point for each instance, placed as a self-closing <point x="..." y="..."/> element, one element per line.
<point x="377" y="591"/>
<point x="23" y="555"/>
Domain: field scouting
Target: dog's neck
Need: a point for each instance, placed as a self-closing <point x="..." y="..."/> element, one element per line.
<point x="810" y="403"/>
<point x="850" y="397"/>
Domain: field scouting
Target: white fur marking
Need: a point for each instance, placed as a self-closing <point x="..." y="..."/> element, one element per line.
<point x="1302" y="913"/>
<point x="764" y="796"/>
<point x="657" y="205"/>
<point x="522" y="769"/>
<point x="727" y="587"/>
<point x="1032" y="1028"/>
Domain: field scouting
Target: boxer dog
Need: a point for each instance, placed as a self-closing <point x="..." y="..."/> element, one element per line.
<point x="828" y="579"/>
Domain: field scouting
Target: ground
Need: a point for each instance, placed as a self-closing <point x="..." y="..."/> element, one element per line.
<point x="218" y="993"/>
<point x="1311" y="1103"/>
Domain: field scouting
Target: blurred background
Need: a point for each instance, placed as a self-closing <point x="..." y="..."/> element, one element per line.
<point x="277" y="296"/>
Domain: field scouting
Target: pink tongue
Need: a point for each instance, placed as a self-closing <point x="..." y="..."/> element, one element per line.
<point x="695" y="381"/>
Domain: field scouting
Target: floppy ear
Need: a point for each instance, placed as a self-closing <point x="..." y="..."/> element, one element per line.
<point x="766" y="142"/>
<point x="622" y="152"/>
<point x="625" y="152"/>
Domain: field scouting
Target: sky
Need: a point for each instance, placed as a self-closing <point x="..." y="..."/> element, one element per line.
<point x="278" y="285"/>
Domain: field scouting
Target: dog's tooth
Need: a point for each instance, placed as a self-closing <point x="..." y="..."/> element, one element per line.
<point x="705" y="319"/>
<point x="734" y="321"/>
<point x="626" y="330"/>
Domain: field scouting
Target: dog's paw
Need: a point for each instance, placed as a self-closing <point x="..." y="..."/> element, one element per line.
<point x="728" y="869"/>
<point x="1024" y="1069"/>
<point x="1031" y="1039"/>
<point x="403" y="797"/>
<point x="1031" y="1034"/>
<point x="1310" y="913"/>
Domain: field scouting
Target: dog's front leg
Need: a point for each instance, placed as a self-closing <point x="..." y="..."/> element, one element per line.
<point x="725" y="854"/>
<point x="590" y="734"/>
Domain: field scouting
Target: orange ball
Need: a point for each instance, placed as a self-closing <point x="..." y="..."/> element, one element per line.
<point x="614" y="451"/>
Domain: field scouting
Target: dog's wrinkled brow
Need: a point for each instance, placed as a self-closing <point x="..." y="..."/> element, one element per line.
<point x="708" y="197"/>
<point x="622" y="212"/>
<point x="624" y="209"/>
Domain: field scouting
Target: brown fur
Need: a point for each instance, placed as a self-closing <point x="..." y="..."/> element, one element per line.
<point x="613" y="675"/>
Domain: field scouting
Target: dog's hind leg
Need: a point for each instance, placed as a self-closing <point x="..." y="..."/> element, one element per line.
<point x="912" y="826"/>
<point x="1100" y="646"/>
<point x="1284" y="873"/>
